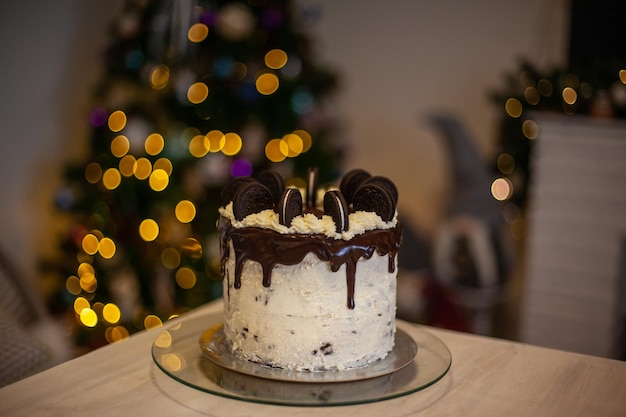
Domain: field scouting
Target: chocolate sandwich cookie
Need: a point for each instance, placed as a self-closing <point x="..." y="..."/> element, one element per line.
<point x="250" y="198"/>
<point x="374" y="198"/>
<point x="335" y="206"/>
<point x="387" y="184"/>
<point x="350" y="182"/>
<point x="274" y="182"/>
<point x="290" y="206"/>
<point x="312" y="181"/>
<point x="230" y="189"/>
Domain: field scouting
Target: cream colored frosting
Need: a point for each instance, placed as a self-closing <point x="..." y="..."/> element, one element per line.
<point x="359" y="222"/>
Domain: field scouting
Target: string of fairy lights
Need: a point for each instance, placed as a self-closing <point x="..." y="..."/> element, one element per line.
<point x="148" y="164"/>
<point x="563" y="92"/>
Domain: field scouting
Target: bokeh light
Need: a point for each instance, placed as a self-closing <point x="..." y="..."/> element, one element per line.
<point x="80" y="303"/>
<point x="120" y="146"/>
<point x="267" y="83"/>
<point x="185" y="211"/>
<point x="88" y="317"/>
<point x="276" y="150"/>
<point x="569" y="95"/>
<point x="506" y="163"/>
<point x="111" y="178"/>
<point x="545" y="87"/>
<point x="93" y="172"/>
<point x="142" y="168"/>
<point x="117" y="121"/>
<point x="186" y="278"/>
<point x="216" y="140"/>
<point x="199" y="146"/>
<point x="164" y="164"/>
<point x="170" y="258"/>
<point x="159" y="76"/>
<point x="531" y="94"/>
<point x="107" y="248"/>
<point x="622" y="76"/>
<point x="148" y="230"/>
<point x="513" y="107"/>
<point x="198" y="32"/>
<point x="241" y="168"/>
<point x="307" y="140"/>
<point x="197" y="93"/>
<point x="191" y="248"/>
<point x="152" y="322"/>
<point x="501" y="189"/>
<point x="232" y="144"/>
<point x="530" y="129"/>
<point x="72" y="285"/>
<point x="295" y="145"/>
<point x="88" y="283"/>
<point x="111" y="313"/>
<point x="116" y="334"/>
<point x="90" y="244"/>
<point x="154" y="144"/>
<point x="276" y="59"/>
<point x="159" y="180"/>
<point x="127" y="165"/>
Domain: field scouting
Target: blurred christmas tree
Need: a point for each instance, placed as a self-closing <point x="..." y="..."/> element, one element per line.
<point x="195" y="92"/>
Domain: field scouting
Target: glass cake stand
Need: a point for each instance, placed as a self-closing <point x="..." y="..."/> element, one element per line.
<point x="192" y="352"/>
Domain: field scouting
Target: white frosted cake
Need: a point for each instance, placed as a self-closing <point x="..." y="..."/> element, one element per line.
<point x="308" y="287"/>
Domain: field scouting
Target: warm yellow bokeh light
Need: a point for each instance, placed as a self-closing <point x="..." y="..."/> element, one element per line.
<point x="159" y="180"/>
<point x="307" y="140"/>
<point x="276" y="150"/>
<point x="569" y="95"/>
<point x="72" y="284"/>
<point x="185" y="211"/>
<point x="197" y="93"/>
<point x="172" y="362"/>
<point x="116" y="334"/>
<point x="154" y="144"/>
<point x="199" y="146"/>
<point x="88" y="317"/>
<point x="106" y="248"/>
<point x="142" y="168"/>
<point x="170" y="258"/>
<point x="622" y="76"/>
<point x="276" y="59"/>
<point x="198" y="32"/>
<point x="88" y="282"/>
<point x="90" y="244"/>
<point x="545" y="87"/>
<point x="267" y="83"/>
<point x="513" y="107"/>
<point x="127" y="165"/>
<point x="148" y="230"/>
<point x="151" y="322"/>
<point x="120" y="146"/>
<point x="164" y="164"/>
<point x="530" y="129"/>
<point x="93" y="173"/>
<point x="111" y="313"/>
<point x="159" y="77"/>
<point x="85" y="268"/>
<point x="295" y="145"/>
<point x="117" y="121"/>
<point x="186" y="278"/>
<point x="111" y="178"/>
<point x="80" y="303"/>
<point x="501" y="189"/>
<point x="216" y="140"/>
<point x="232" y="144"/>
<point x="191" y="248"/>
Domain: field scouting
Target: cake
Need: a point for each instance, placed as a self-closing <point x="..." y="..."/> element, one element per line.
<point x="309" y="276"/>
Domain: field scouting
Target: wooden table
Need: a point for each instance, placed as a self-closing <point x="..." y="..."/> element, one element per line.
<point x="488" y="377"/>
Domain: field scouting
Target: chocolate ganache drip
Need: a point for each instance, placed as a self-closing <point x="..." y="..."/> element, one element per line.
<point x="268" y="248"/>
<point x="359" y="191"/>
